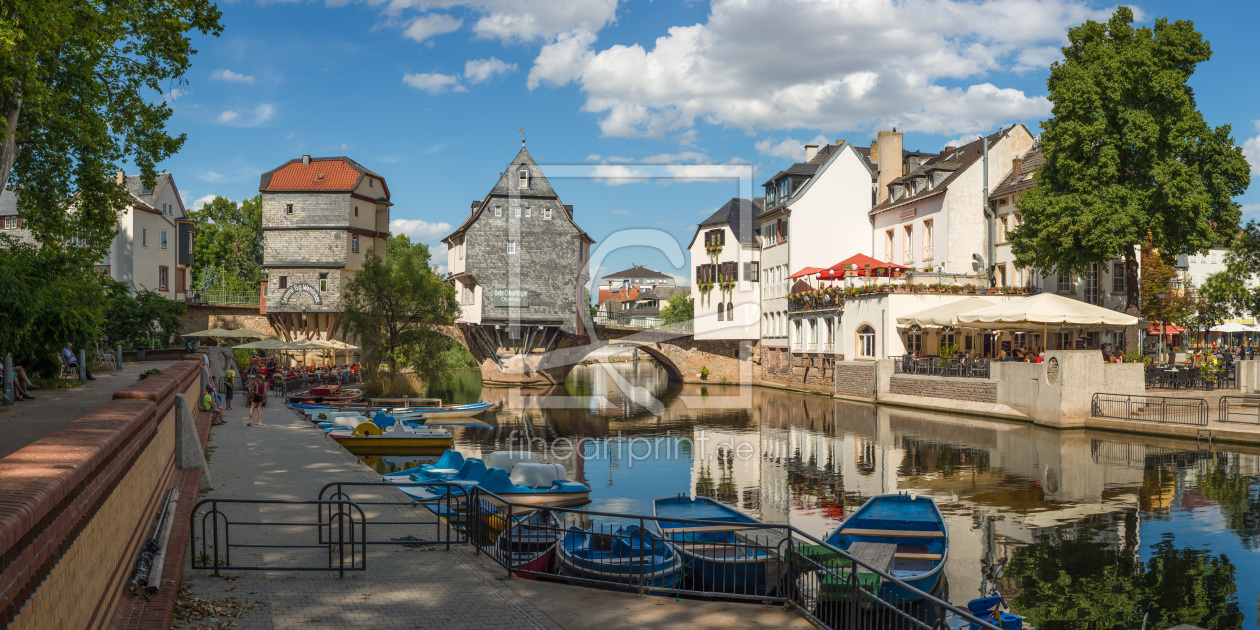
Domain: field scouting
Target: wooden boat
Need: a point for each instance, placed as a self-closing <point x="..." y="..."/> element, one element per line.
<point x="909" y="529"/>
<point x="629" y="556"/>
<point x="326" y="395"/>
<point x="369" y="439"/>
<point x="737" y="555"/>
<point x="531" y="544"/>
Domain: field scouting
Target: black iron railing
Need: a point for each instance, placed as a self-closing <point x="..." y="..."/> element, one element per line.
<point x="214" y="523"/>
<point x="937" y="366"/>
<point x="451" y="499"/>
<point x="762" y="562"/>
<point x="1244" y="409"/>
<point x="1162" y="409"/>
<point x="801" y="302"/>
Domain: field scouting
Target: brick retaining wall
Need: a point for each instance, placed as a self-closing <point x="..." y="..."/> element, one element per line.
<point x="856" y="380"/>
<point x="969" y="389"/>
<point x="76" y="505"/>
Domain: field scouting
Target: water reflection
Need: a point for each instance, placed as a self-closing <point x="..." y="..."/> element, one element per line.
<point x="1094" y="524"/>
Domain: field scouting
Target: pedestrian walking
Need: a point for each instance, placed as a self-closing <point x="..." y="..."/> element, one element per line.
<point x="230" y="380"/>
<point x="257" y="393"/>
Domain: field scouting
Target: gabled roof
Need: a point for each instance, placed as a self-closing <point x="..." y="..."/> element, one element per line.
<point x="509" y="186"/>
<point x="624" y="293"/>
<point x="147" y="198"/>
<point x="8" y="203"/>
<point x="638" y="271"/>
<point x="1013" y="183"/>
<point x="323" y="174"/>
<point x="733" y="213"/>
<point x="833" y="150"/>
<point x="956" y="162"/>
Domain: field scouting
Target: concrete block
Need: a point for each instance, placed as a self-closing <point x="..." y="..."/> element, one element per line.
<point x="188" y="453"/>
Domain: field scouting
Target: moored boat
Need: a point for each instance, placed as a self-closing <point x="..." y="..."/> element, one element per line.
<point x="530" y="545"/>
<point x="909" y="530"/>
<point x="368" y="439"/>
<point x="629" y="556"/>
<point x="530" y="484"/>
<point x="738" y="555"/>
<point x="328" y="394"/>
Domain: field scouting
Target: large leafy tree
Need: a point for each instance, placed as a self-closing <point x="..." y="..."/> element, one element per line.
<point x="83" y="87"/>
<point x="46" y="299"/>
<point x="132" y="319"/>
<point x="1129" y="157"/>
<point x="680" y="308"/>
<point x="228" y="248"/>
<point x="395" y="306"/>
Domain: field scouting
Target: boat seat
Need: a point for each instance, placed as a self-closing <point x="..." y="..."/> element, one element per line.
<point x="917" y="556"/>
<point x="708" y="528"/>
<point x="893" y="533"/>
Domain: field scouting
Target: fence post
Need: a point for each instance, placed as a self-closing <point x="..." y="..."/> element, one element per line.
<point x="8" y="379"/>
<point x="118" y="355"/>
<point x="82" y="364"/>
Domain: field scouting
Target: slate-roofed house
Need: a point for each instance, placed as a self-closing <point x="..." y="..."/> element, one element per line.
<point x="644" y="309"/>
<point x="518" y="263"/>
<point x="636" y="276"/>
<point x="725" y="259"/>
<point x="10" y="223"/>
<point x="320" y="217"/>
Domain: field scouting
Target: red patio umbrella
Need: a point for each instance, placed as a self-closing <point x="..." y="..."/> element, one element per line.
<point x="808" y="271"/>
<point x="860" y="262"/>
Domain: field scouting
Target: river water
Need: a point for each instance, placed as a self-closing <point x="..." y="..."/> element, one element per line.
<point x="1094" y="525"/>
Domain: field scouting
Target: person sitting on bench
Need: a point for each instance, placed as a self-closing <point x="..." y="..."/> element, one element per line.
<point x="72" y="361"/>
<point x="207" y="403"/>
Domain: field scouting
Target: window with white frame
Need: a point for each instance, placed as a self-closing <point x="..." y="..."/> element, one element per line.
<point x="1064" y="284"/>
<point x="928" y="243"/>
<point x="866" y="342"/>
<point x="1117" y="278"/>
<point x="888" y="245"/>
<point x="323" y="282"/>
<point x="511" y="247"/>
<point x="498" y="211"/>
<point x="947" y="336"/>
<point x="354" y="243"/>
<point x="547" y="214"/>
<point x="1003" y="226"/>
<point x="529" y="212"/>
<point x="524" y="177"/>
<point x="914" y="339"/>
<point x="162" y="240"/>
<point x="908" y="245"/>
<point x="518" y="212"/>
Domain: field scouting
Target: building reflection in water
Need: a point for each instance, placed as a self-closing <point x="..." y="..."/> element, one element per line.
<point x="1041" y="499"/>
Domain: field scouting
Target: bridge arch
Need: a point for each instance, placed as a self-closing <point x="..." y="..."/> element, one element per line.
<point x="672" y="369"/>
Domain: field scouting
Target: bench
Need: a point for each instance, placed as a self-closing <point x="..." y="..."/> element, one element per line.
<point x="707" y="529"/>
<point x="893" y="533"/>
<point x="917" y="556"/>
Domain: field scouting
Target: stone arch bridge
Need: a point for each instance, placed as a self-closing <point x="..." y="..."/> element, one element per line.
<point x="682" y="356"/>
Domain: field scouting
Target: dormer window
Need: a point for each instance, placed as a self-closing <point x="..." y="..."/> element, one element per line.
<point x="524" y="173"/>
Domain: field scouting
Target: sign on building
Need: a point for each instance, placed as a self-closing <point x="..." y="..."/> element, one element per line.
<point x="511" y="297"/>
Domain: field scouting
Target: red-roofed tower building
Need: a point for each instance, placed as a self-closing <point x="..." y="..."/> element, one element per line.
<point x="320" y="218"/>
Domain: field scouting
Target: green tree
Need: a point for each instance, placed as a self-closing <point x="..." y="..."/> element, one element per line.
<point x="1178" y="304"/>
<point x="1129" y="157"/>
<point x="133" y="320"/>
<point x="680" y="308"/>
<point x="47" y="297"/>
<point x="228" y="248"/>
<point x="81" y="89"/>
<point x="396" y="305"/>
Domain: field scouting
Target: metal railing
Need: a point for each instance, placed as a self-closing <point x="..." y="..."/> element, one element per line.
<point x="799" y="302"/>
<point x="1243" y="409"/>
<point x="1162" y="409"/>
<point x="219" y="296"/>
<point x="445" y="508"/>
<point x="936" y="366"/>
<point x="211" y="545"/>
<point x="686" y="326"/>
<point x="765" y="562"/>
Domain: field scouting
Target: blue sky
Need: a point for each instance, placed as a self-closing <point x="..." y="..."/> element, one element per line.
<point x="430" y="94"/>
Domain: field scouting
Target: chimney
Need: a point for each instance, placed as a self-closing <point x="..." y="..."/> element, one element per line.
<point x="875" y="151"/>
<point x="306" y="160"/>
<point x="1017" y="167"/>
<point x="811" y="150"/>
<point x="120" y="178"/>
<point x="889" y="162"/>
<point x="947" y="151"/>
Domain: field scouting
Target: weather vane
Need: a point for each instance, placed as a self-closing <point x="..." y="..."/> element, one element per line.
<point x="522" y="130"/>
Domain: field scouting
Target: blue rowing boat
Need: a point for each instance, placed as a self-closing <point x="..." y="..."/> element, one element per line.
<point x="629" y="556"/>
<point x="917" y="528"/>
<point x="720" y="558"/>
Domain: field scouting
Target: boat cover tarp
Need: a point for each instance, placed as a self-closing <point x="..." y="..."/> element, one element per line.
<point x="507" y="459"/>
<point x="535" y="475"/>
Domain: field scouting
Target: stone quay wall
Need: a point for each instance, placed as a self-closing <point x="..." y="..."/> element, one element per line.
<point x="969" y="389"/>
<point x="855" y="379"/>
<point x="76" y="506"/>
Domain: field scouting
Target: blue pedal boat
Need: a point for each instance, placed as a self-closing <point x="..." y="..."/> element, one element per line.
<point x="628" y="556"/>
<point x="915" y="525"/>
<point x="719" y="558"/>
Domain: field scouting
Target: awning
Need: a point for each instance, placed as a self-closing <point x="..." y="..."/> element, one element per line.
<point x="1231" y="327"/>
<point x="808" y="271"/>
<point x="1170" y="329"/>
<point x="225" y="333"/>
<point x="1045" y="310"/>
<point x="944" y="314"/>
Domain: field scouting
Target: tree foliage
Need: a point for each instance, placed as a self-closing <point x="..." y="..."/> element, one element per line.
<point x="680" y="308"/>
<point x="81" y="90"/>
<point x="1179" y="303"/>
<point x="46" y="299"/>
<point x="395" y="305"/>
<point x="1072" y="581"/>
<point x="132" y="319"/>
<point x="1129" y="157"/>
<point x="228" y="247"/>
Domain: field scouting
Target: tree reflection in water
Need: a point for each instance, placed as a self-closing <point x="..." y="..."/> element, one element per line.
<point x="1072" y="581"/>
<point x="1237" y="497"/>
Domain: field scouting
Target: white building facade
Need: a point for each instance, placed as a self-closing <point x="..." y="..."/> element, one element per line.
<point x="725" y="273"/>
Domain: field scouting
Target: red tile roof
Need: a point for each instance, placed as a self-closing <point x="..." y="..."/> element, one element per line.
<point x="334" y="173"/>
<point x="624" y="293"/>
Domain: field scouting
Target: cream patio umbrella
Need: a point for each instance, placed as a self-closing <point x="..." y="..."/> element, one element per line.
<point x="1046" y="310"/>
<point x="945" y="314"/>
<point x="225" y="333"/>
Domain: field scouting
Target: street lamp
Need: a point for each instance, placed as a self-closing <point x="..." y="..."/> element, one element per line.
<point x="1162" y="296"/>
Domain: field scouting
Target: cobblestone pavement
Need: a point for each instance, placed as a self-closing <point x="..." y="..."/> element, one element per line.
<point x="404" y="587"/>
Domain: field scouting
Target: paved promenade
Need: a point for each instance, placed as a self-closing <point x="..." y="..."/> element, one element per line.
<point x="403" y="587"/>
<point x="29" y="420"/>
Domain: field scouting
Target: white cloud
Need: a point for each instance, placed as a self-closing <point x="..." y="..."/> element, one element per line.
<point x="1251" y="149"/>
<point x="345" y="146"/>
<point x="255" y="117"/>
<point x="617" y="174"/>
<point x="433" y="83"/>
<point x="419" y="230"/>
<point x="431" y="25"/>
<point x="202" y="200"/>
<point x="788" y="148"/>
<point x="228" y="75"/>
<point x="916" y="64"/>
<point x="478" y="70"/>
<point x="174" y="94"/>
<point x="509" y="20"/>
